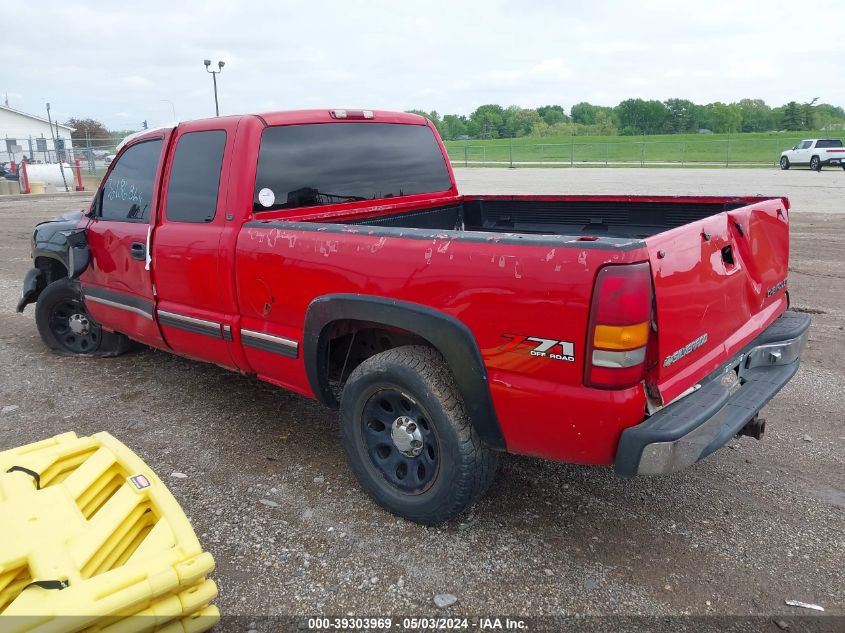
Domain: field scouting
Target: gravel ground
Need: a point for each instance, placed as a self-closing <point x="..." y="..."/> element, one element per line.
<point x="269" y="493"/>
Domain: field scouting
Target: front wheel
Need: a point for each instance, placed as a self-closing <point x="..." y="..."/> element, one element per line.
<point x="408" y="438"/>
<point x="784" y="163"/>
<point x="815" y="164"/>
<point x="66" y="327"/>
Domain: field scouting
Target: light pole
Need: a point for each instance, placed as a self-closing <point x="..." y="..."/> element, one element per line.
<point x="172" y="107"/>
<point x="214" y="74"/>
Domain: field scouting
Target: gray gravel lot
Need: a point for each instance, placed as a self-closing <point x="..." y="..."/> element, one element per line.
<point x="751" y="526"/>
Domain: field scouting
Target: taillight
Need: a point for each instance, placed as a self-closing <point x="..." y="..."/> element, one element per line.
<point x="620" y="324"/>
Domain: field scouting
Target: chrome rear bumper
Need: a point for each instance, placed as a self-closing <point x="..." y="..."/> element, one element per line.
<point x="691" y="428"/>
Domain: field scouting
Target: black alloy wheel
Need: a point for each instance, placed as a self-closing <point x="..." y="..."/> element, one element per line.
<point x="401" y="443"/>
<point x="73" y="327"/>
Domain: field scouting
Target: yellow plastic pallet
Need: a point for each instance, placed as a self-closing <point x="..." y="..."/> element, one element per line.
<point x="89" y="513"/>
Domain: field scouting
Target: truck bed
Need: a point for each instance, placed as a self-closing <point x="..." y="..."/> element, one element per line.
<point x="615" y="217"/>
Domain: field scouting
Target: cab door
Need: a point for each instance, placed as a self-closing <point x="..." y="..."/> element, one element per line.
<point x="194" y="307"/>
<point x="117" y="285"/>
<point x="802" y="154"/>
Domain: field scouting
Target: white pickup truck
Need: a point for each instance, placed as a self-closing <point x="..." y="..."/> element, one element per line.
<point x="816" y="153"/>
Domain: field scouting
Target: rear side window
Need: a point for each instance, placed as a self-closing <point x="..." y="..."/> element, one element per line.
<point x="327" y="163"/>
<point x="830" y="142"/>
<point x="195" y="177"/>
<point x="128" y="191"/>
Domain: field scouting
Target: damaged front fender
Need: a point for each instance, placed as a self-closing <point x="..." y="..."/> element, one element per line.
<point x="59" y="249"/>
<point x="32" y="285"/>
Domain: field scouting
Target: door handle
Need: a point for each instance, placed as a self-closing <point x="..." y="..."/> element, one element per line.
<point x="138" y="250"/>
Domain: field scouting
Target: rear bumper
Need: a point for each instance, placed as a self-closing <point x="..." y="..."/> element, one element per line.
<point x="688" y="430"/>
<point x="834" y="161"/>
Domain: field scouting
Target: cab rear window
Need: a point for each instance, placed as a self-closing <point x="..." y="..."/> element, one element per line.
<point x="329" y="163"/>
<point x="829" y="142"/>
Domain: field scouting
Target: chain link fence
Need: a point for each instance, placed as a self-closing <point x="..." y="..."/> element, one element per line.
<point x="738" y="152"/>
<point x="94" y="154"/>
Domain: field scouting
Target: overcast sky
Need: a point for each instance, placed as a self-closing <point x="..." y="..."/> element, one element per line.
<point x="118" y="63"/>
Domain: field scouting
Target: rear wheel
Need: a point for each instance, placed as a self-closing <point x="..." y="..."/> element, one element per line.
<point x="784" y="162"/>
<point x="408" y="438"/>
<point x="815" y="164"/>
<point x="66" y="327"/>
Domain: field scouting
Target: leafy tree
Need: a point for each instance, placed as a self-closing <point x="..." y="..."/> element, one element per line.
<point x="604" y="125"/>
<point x="647" y="117"/>
<point x="87" y="127"/>
<point x="552" y="114"/>
<point x="683" y="116"/>
<point x="584" y="113"/>
<point x="431" y="116"/>
<point x="487" y="121"/>
<point x="519" y="121"/>
<point x="563" y="128"/>
<point x="453" y="126"/>
<point x="793" y="116"/>
<point x="756" y="115"/>
<point x="721" y="117"/>
<point x="828" y="117"/>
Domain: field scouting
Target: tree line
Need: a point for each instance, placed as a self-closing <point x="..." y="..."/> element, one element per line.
<point x="636" y="117"/>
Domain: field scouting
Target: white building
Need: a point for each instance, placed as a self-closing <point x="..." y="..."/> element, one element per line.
<point x="23" y="134"/>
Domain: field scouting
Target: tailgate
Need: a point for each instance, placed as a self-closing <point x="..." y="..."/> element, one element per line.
<point x="718" y="282"/>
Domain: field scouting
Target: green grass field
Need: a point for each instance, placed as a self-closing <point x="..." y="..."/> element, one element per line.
<point x="761" y="149"/>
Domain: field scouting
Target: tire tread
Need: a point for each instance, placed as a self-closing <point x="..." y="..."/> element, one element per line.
<point x="477" y="466"/>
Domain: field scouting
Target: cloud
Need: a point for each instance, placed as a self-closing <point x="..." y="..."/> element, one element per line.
<point x="449" y="56"/>
<point x="134" y="81"/>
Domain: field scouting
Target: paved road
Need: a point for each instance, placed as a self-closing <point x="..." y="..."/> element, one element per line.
<point x="737" y="534"/>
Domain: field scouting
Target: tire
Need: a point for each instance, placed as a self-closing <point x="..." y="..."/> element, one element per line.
<point x="408" y="393"/>
<point x="815" y="164"/>
<point x="784" y="163"/>
<point x="66" y="327"/>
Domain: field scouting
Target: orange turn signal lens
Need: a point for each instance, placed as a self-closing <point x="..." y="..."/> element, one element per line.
<point x="621" y="336"/>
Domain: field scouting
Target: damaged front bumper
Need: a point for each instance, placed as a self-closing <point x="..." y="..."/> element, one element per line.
<point x="690" y="429"/>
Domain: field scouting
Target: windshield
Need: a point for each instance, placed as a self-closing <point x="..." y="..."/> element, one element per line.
<point x="327" y="163"/>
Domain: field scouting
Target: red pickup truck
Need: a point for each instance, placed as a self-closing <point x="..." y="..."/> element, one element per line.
<point x="329" y="252"/>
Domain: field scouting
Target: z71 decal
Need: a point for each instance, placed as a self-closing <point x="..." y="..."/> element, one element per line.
<point x="541" y="347"/>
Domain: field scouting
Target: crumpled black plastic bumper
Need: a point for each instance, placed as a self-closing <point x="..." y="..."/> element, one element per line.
<point x="691" y="428"/>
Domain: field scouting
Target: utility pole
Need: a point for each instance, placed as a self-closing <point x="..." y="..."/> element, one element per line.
<point x="55" y="145"/>
<point x="214" y="74"/>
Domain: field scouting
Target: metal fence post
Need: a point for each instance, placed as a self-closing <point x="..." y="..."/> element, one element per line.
<point x="572" y="152"/>
<point x="510" y="152"/>
<point x="466" y="143"/>
<point x="91" y="167"/>
<point x="728" y="153"/>
<point x="642" y="154"/>
<point x="683" y="153"/>
<point x="606" y="151"/>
